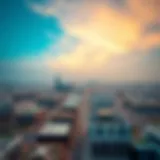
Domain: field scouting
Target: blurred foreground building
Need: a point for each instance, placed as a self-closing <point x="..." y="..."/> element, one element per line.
<point x="7" y="121"/>
<point x="11" y="147"/>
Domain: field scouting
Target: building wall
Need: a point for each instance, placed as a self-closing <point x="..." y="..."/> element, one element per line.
<point x="7" y="124"/>
<point x="58" y="151"/>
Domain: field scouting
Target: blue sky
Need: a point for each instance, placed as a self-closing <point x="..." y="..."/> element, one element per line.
<point x="25" y="33"/>
<point x="107" y="40"/>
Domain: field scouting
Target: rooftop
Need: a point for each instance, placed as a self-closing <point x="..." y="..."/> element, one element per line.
<point x="26" y="107"/>
<point x="55" y="129"/>
<point x="72" y="101"/>
<point x="141" y="102"/>
<point x="101" y="101"/>
<point x="105" y="112"/>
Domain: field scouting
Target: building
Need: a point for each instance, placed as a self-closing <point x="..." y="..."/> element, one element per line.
<point x="143" y="106"/>
<point x="6" y="109"/>
<point x="11" y="147"/>
<point x="146" y="151"/>
<point x="107" y="139"/>
<point x="107" y="115"/>
<point x="42" y="152"/>
<point x="54" y="131"/>
<point x="47" y="102"/>
<point x="21" y="96"/>
<point x="109" y="135"/>
<point x="99" y="100"/>
<point x="59" y="136"/>
<point x="72" y="102"/>
<point x="6" y="116"/>
<point x="152" y="136"/>
<point x="73" y="120"/>
<point x="71" y="107"/>
<point x="140" y="112"/>
<point x="148" y="147"/>
<point x="60" y="86"/>
<point x="26" y="112"/>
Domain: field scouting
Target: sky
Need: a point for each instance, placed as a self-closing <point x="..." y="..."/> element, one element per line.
<point x="105" y="40"/>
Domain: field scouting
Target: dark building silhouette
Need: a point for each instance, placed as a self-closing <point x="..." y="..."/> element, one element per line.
<point x="60" y="86"/>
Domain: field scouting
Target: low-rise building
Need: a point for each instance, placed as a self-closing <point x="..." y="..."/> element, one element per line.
<point x="100" y="100"/>
<point x="105" y="115"/>
<point x="27" y="112"/>
<point x="23" y="96"/>
<point x="48" y="100"/>
<point x="52" y="131"/>
<point x="141" y="112"/>
<point x="72" y="102"/>
<point x="58" y="135"/>
<point x="110" y="141"/>
<point x="68" y="117"/>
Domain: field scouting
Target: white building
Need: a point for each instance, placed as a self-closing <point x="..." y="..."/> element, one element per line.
<point x="54" y="131"/>
<point x="72" y="102"/>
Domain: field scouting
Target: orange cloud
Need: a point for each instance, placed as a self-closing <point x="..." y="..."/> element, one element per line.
<point x="108" y="29"/>
<point x="144" y="11"/>
<point x="150" y="41"/>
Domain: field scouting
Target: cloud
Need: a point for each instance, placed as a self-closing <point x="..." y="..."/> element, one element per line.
<point x="103" y="31"/>
<point x="143" y="11"/>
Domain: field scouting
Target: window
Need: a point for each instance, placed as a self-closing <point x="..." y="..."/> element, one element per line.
<point x="100" y="131"/>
